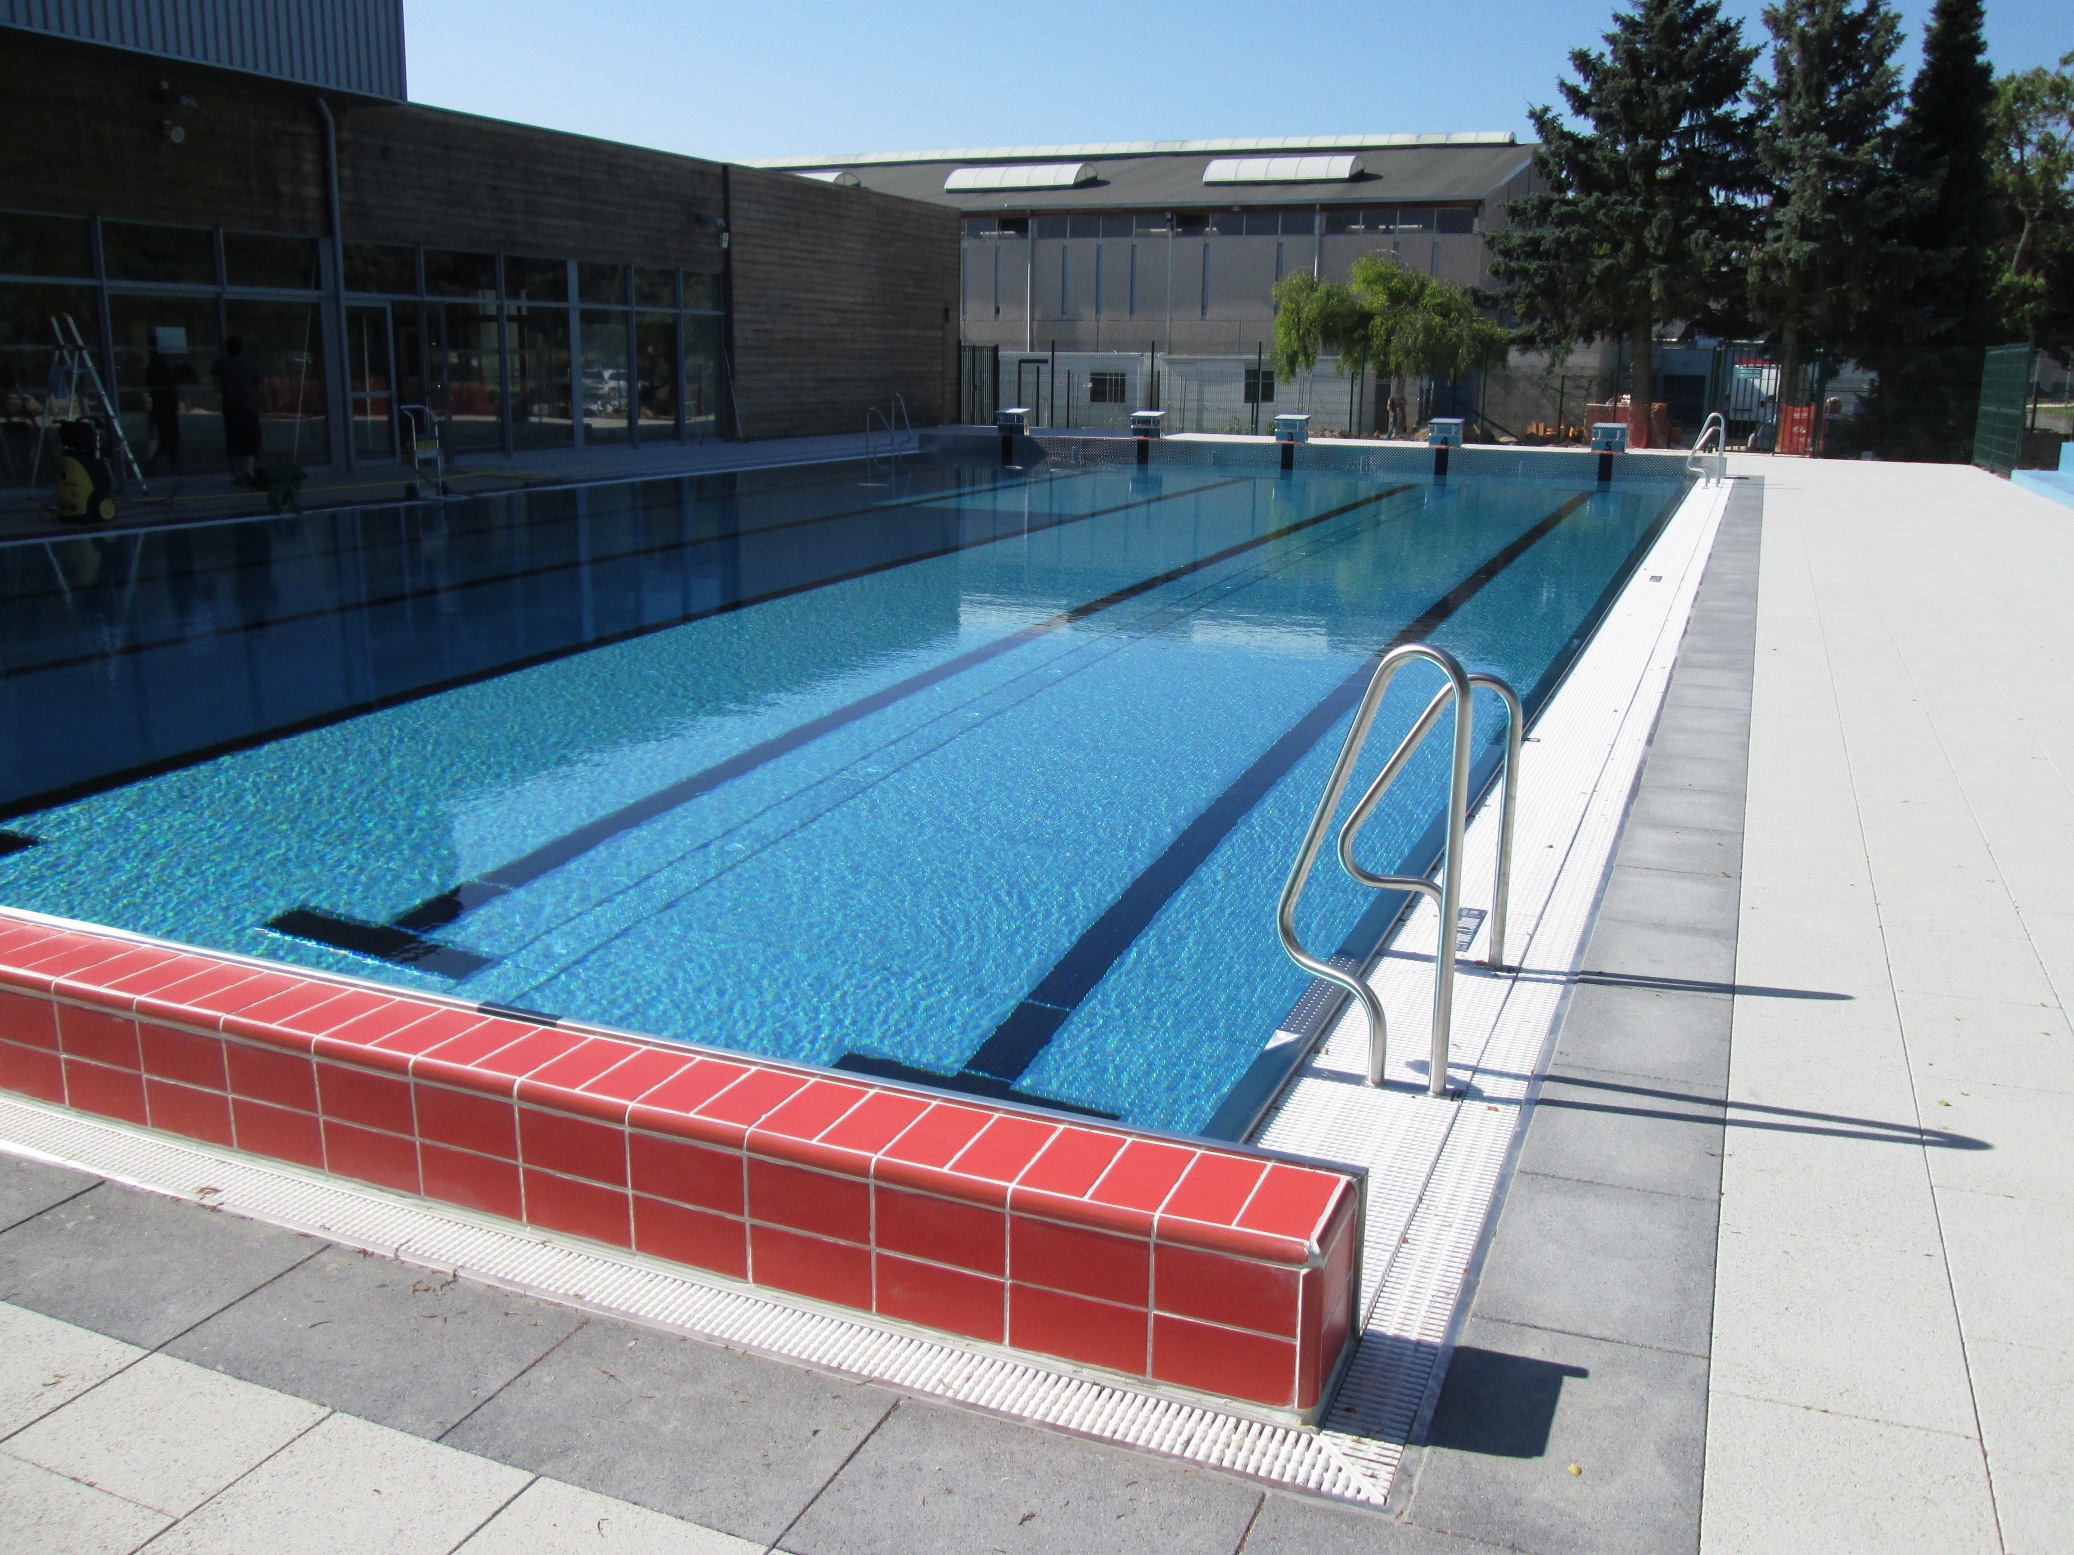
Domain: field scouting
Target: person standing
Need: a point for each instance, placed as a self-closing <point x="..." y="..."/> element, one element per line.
<point x="162" y="380"/>
<point x="237" y="379"/>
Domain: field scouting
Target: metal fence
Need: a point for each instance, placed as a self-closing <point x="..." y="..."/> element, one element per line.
<point x="2005" y="395"/>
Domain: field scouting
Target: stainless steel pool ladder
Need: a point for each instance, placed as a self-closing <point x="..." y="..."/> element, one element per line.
<point x="423" y="447"/>
<point x="1700" y="462"/>
<point x="1446" y="894"/>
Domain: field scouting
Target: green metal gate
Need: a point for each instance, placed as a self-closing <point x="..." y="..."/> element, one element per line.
<point x="2005" y="389"/>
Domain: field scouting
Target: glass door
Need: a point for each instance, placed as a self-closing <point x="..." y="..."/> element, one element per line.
<point x="372" y="377"/>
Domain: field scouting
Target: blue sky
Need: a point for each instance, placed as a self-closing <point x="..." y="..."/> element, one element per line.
<point x="804" y="77"/>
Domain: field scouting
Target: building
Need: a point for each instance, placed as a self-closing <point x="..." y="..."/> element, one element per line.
<point x="182" y="171"/>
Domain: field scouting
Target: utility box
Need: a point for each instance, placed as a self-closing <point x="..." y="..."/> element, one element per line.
<point x="1292" y="429"/>
<point x="1013" y="421"/>
<point x="1444" y="432"/>
<point x="1147" y="423"/>
<point x="1610" y="437"/>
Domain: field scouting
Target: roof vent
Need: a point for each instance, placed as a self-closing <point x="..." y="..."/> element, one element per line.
<point x="1282" y="170"/>
<point x="1025" y="175"/>
<point x="833" y="175"/>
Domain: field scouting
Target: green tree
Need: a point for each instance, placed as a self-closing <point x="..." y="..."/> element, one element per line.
<point x="1402" y="324"/>
<point x="1826" y="241"/>
<point x="1643" y="221"/>
<point x="2034" y="178"/>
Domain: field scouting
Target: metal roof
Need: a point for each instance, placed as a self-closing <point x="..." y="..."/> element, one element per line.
<point x="1135" y="148"/>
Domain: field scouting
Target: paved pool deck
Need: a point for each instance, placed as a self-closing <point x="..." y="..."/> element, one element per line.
<point x="1781" y="1263"/>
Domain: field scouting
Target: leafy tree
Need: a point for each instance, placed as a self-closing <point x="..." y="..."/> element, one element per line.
<point x="1402" y="324"/>
<point x="2034" y="177"/>
<point x="1825" y="248"/>
<point x="1642" y="223"/>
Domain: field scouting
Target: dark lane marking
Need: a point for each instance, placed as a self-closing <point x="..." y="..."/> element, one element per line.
<point x="505" y="578"/>
<point x="438" y="911"/>
<point x="15" y="842"/>
<point x="87" y="787"/>
<point x="1030" y="1026"/>
<point x="965" y="1082"/>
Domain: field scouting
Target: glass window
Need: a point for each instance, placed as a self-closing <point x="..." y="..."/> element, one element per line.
<point x="702" y="382"/>
<point x="601" y="283"/>
<point x="702" y="293"/>
<point x="1152" y="224"/>
<point x="1299" y="224"/>
<point x="1051" y="227"/>
<point x="381" y="267"/>
<point x="451" y="273"/>
<point x="467" y="376"/>
<point x="1105" y="388"/>
<point x="135" y="252"/>
<point x="1263" y="224"/>
<point x="1118" y="226"/>
<point x="1457" y="218"/>
<point x="655" y="370"/>
<point x="536" y="280"/>
<point x="1083" y="226"/>
<point x="540" y="378"/>
<point x="1015" y="226"/>
<point x="981" y="226"/>
<point x="655" y="288"/>
<point x="44" y="245"/>
<point x="168" y="403"/>
<point x="1260" y="386"/>
<point x="1415" y="218"/>
<point x="1342" y="221"/>
<point x="604" y="376"/>
<point x="285" y="341"/>
<point x="1228" y="224"/>
<point x="25" y="355"/>
<point x="269" y="259"/>
<point x="367" y="369"/>
<point x="1191" y="226"/>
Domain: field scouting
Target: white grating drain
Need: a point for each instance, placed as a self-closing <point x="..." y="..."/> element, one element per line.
<point x="1434" y="1165"/>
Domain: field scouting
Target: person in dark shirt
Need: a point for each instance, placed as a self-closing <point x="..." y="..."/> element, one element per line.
<point x="162" y="380"/>
<point x="237" y="379"/>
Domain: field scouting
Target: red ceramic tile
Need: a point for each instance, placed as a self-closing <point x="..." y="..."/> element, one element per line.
<point x="809" y="1112"/>
<point x="937" y="1137"/>
<point x="950" y="1299"/>
<point x="686" y="1093"/>
<point x="279" y="1132"/>
<point x="1074" y="1258"/>
<point x="1214" y="1188"/>
<point x="160" y="974"/>
<point x="1234" y="1242"/>
<point x="1335" y="1336"/>
<point x="365" y="1097"/>
<point x="1097" y="1333"/>
<point x="429" y="1025"/>
<point x="685" y="1173"/>
<point x="820" y="1202"/>
<point x="113" y="1093"/>
<point x="638" y="1074"/>
<point x="28" y="1018"/>
<point x="579" y="1208"/>
<point x="1004" y="1151"/>
<point x="386" y="1160"/>
<point x="97" y="1035"/>
<point x="266" y="1019"/>
<point x="182" y="1001"/>
<point x="691" y="1236"/>
<point x="590" y="1058"/>
<point x="65" y="956"/>
<point x="182" y="1109"/>
<point x="472" y="1181"/>
<point x="1292" y="1201"/>
<point x="1224" y="1361"/>
<point x="372" y="1028"/>
<point x="1072" y="1163"/>
<point x="810" y="1266"/>
<point x="171" y="1054"/>
<point x="875" y="1122"/>
<point x="941" y="1230"/>
<point x="466" y="1120"/>
<point x="572" y="1146"/>
<point x="16" y="935"/>
<point x="540" y="1046"/>
<point x="283" y="1079"/>
<point x="346" y="1006"/>
<point x="32" y="1071"/>
<point x="1142" y="1176"/>
<point x="752" y="1098"/>
<point x="103" y="975"/>
<point x="1231" y="1291"/>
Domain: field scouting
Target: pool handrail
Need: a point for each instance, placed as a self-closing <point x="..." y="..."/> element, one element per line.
<point x="1446" y="894"/>
<point x="1717" y="425"/>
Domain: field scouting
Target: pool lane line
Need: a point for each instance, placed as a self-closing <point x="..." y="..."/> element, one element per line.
<point x="401" y="939"/>
<point x="87" y="787"/>
<point x="507" y="577"/>
<point x="1016" y="1043"/>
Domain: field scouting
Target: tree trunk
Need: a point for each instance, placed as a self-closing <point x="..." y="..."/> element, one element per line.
<point x="1641" y="380"/>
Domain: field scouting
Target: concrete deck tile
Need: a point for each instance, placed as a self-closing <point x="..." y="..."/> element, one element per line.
<point x="402" y="1346"/>
<point x="1687" y="722"/>
<point x="45" y="1512"/>
<point x="1681" y="848"/>
<point x="1942" y="960"/>
<point x="1959" y="1040"/>
<point x="349" y="1487"/>
<point x="45" y="1363"/>
<point x="1674" y="1038"/>
<point x="2026" y="1132"/>
<point x="139" y="1267"/>
<point x="31" y="1187"/>
<point x="1606" y="1263"/>
<point x="2021" y="1301"/>
<point x="165" y="1434"/>
<point x="550" y="1518"/>
<point x="1523" y="1404"/>
<point x="1298" y="1525"/>
<point x="1784" y="1478"/>
<point x="689" y="1429"/>
<point x="1652" y="950"/>
<point x="1625" y="1131"/>
<point x="937" y="1481"/>
<point x="1687" y="807"/>
<point x="1700" y="904"/>
<point x="1826" y="1184"/>
<point x="2026" y="1399"/>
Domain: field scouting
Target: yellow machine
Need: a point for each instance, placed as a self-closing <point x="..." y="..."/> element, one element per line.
<point x="83" y="485"/>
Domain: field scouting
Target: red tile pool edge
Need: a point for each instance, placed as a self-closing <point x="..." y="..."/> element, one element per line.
<point x="1164" y="1260"/>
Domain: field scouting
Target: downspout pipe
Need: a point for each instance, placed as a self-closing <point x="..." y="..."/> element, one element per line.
<point x="342" y="377"/>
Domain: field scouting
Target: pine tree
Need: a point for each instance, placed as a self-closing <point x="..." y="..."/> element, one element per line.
<point x="1640" y="225"/>
<point x="1826" y="243"/>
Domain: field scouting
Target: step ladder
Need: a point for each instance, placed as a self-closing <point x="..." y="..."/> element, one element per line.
<point x="1458" y="692"/>
<point x="76" y="384"/>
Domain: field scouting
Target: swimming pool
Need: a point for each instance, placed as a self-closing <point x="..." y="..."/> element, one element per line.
<point x="944" y="772"/>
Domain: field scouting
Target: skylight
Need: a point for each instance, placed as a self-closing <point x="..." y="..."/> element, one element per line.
<point x="1281" y="170"/>
<point x="1025" y="175"/>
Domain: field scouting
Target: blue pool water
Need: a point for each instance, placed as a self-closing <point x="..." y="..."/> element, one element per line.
<point x="985" y="775"/>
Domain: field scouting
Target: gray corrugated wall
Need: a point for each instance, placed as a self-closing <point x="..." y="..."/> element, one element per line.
<point x="347" y="45"/>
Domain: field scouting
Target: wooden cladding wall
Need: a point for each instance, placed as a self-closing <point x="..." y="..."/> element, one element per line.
<point x="842" y="298"/>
